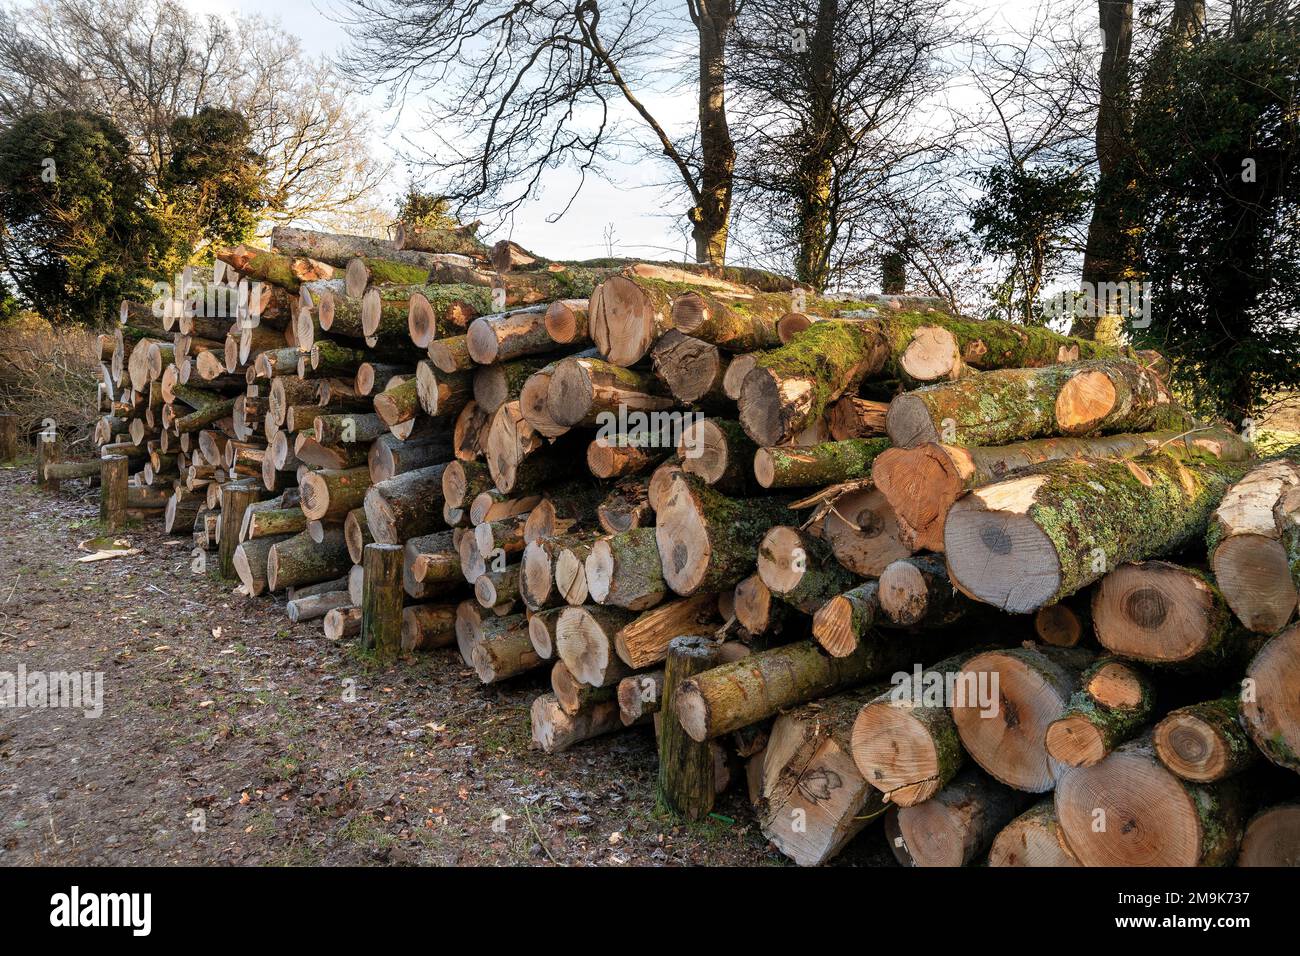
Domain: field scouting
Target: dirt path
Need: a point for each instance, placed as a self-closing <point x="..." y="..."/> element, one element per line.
<point x="226" y="736"/>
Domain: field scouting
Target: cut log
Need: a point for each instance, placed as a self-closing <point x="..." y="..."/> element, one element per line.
<point x="864" y="533"/>
<point x="1204" y="742"/>
<point x="574" y="695"/>
<point x="1103" y="396"/>
<point x="583" y="390"/>
<point x="854" y="417"/>
<point x="1160" y="613"/>
<point x="554" y="731"/>
<point x="640" y="695"/>
<point x="747" y="325"/>
<point x="756" y="610"/>
<point x="799" y="569"/>
<point x="1113" y="703"/>
<point x="1032" y="540"/>
<point x="686" y="771"/>
<point x="624" y="571"/>
<point x="619" y="455"/>
<point x="1272" y="837"/>
<point x="626" y="507"/>
<point x="1270" y="706"/>
<point x="541" y="631"/>
<point x="818" y="465"/>
<point x="904" y="741"/>
<point x="503" y="649"/>
<point x="1005" y="732"/>
<point x="644" y="640"/>
<point x="942" y="350"/>
<point x="566" y="321"/>
<point x="382" y="598"/>
<point x="584" y="640"/>
<point x="958" y="824"/>
<point x="329" y="495"/>
<point x="718" y="451"/>
<point x="342" y="622"/>
<point x="707" y="541"/>
<point x="298" y="560"/>
<point x="236" y="496"/>
<point x="1034" y="838"/>
<point x="626" y="317"/>
<point x="916" y="592"/>
<point x="1254" y="544"/>
<point x="691" y="370"/>
<point x="405" y="506"/>
<point x="924" y="481"/>
<point x="1129" y="810"/>
<point x="461" y="240"/>
<point x="113" y="475"/>
<point x="736" y="695"/>
<point x="791" y="387"/>
<point x="312" y="607"/>
<point x="509" y="335"/>
<point x="813" y="799"/>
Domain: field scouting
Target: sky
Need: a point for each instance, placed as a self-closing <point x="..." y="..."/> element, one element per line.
<point x="645" y="218"/>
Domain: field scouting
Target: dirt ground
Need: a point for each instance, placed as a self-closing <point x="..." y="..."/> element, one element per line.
<point x="230" y="736"/>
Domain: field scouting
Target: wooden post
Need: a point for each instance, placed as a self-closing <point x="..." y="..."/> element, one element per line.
<point x="236" y="496"/>
<point x="112" y="491"/>
<point x="8" y="436"/>
<point x="48" y="451"/>
<point x="685" y="766"/>
<point x="381" y="603"/>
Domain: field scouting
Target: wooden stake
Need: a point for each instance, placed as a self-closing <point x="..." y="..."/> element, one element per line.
<point x="686" y="784"/>
<point x="381" y="608"/>
<point x="112" y="491"/>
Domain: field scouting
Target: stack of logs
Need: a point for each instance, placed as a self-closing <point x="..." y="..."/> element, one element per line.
<point x="986" y="582"/>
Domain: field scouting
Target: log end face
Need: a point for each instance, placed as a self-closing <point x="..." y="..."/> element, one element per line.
<point x="355" y="279"/>
<point x="1086" y="399"/>
<point x="1253" y="573"/>
<point x="1001" y="558"/>
<point x="692" y="711"/>
<point x="908" y="422"/>
<point x="761" y="409"/>
<point x="932" y="355"/>
<point x="682" y="536"/>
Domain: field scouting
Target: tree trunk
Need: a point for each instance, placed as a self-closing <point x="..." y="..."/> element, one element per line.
<point x="1113" y="703"/>
<point x="1254" y="544"/>
<point x="1129" y="810"/>
<point x="1005" y="732"/>
<point x="1104" y="396"/>
<point x="686" y="772"/>
<point x="1032" y="540"/>
<point x="923" y="482"/>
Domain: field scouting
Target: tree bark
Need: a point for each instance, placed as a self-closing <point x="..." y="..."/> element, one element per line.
<point x="686" y="772"/>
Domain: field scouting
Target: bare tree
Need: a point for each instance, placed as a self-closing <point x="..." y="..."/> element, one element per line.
<point x="834" y="106"/>
<point x="514" y="90"/>
<point x="143" y="63"/>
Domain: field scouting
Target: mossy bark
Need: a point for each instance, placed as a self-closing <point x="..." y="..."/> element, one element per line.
<point x="1222" y="720"/>
<point x="736" y="695"/>
<point x="300" y="560"/>
<point x="819" y="465"/>
<point x="1113" y="725"/>
<point x="996" y="408"/>
<point x="791" y="387"/>
<point x="381" y="602"/>
<point x="686" y="782"/>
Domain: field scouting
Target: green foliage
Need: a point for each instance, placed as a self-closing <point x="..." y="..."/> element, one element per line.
<point x="426" y="210"/>
<point x="214" y="182"/>
<point x="76" y="232"/>
<point x="1026" y="217"/>
<point x="1216" y="160"/>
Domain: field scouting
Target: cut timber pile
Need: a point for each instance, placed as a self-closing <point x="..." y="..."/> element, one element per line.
<point x="972" y="580"/>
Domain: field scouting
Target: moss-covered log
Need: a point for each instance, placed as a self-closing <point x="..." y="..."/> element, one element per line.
<point x="924" y="481"/>
<point x="1034" y="539"/>
<point x="791" y="387"/>
<point x="816" y="466"/>
<point x="382" y="597"/>
<point x="686" y="772"/>
<point x="300" y="560"/>
<point x="800" y="569"/>
<point x="708" y="541"/>
<point x="1205" y="742"/>
<point x="996" y="408"/>
<point x="1113" y="703"/>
